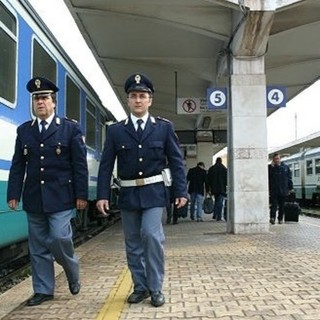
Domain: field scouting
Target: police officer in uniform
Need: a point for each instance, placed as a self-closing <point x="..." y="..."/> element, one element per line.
<point x="143" y="146"/>
<point x="49" y="167"/>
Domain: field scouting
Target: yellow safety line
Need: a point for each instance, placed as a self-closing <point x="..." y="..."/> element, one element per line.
<point x="116" y="300"/>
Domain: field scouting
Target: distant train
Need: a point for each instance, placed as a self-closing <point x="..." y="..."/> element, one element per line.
<point x="28" y="49"/>
<point x="305" y="168"/>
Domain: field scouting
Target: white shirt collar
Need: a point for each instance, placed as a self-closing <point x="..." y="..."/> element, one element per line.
<point x="134" y="120"/>
<point x="49" y="120"/>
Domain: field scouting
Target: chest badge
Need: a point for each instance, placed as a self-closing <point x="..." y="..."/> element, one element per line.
<point x="58" y="149"/>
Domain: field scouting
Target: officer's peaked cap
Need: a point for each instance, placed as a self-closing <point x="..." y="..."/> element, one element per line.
<point x="40" y="85"/>
<point x="138" y="82"/>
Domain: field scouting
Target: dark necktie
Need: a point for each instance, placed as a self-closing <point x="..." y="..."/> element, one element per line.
<point x="139" y="130"/>
<point x="43" y="127"/>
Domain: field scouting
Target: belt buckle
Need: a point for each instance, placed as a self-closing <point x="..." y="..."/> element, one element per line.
<point x="140" y="182"/>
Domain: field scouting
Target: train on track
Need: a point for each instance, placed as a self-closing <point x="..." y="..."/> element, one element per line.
<point x="305" y="168"/>
<point x="29" y="49"/>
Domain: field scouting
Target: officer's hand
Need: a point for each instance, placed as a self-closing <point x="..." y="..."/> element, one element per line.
<point x="180" y="202"/>
<point x="81" y="204"/>
<point x="13" y="204"/>
<point x="103" y="206"/>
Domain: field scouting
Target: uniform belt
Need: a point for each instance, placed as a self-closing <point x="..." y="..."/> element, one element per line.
<point x="142" y="181"/>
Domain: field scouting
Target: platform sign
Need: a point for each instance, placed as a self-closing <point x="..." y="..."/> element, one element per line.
<point x="188" y="105"/>
<point x="276" y="96"/>
<point x="217" y="98"/>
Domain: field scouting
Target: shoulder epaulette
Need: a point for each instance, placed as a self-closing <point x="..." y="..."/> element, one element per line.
<point x="115" y="123"/>
<point x="73" y="120"/>
<point x="163" y="119"/>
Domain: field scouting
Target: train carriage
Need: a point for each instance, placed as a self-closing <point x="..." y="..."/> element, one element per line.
<point x="29" y="49"/>
<point x="305" y="168"/>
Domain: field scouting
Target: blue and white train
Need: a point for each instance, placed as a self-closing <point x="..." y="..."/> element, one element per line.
<point x="305" y="168"/>
<point x="28" y="49"/>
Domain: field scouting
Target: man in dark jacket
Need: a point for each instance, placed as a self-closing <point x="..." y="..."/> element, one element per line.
<point x="144" y="146"/>
<point x="280" y="186"/>
<point x="49" y="168"/>
<point x="197" y="179"/>
<point x="217" y="181"/>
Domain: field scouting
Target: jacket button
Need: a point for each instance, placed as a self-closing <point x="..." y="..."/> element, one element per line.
<point x="140" y="159"/>
<point x="139" y="146"/>
<point x="140" y="173"/>
<point x="42" y="157"/>
<point x="42" y="182"/>
<point x="41" y="145"/>
<point x="41" y="169"/>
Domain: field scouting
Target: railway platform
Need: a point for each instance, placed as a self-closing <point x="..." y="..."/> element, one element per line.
<point x="209" y="275"/>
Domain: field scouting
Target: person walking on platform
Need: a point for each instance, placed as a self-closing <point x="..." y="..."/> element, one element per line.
<point x="144" y="146"/>
<point x="280" y="186"/>
<point x="50" y="166"/>
<point x="197" y="179"/>
<point x="217" y="181"/>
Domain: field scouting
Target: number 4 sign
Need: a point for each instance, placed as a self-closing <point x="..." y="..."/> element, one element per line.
<point x="276" y="96"/>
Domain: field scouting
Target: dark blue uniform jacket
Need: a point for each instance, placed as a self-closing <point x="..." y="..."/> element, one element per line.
<point x="52" y="171"/>
<point x="140" y="159"/>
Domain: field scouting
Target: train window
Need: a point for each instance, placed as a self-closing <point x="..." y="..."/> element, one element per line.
<point x="8" y="48"/>
<point x="43" y="63"/>
<point x="296" y="170"/>
<point x="8" y="19"/>
<point x="317" y="165"/>
<point x="309" y="167"/>
<point x="90" y="125"/>
<point x="72" y="100"/>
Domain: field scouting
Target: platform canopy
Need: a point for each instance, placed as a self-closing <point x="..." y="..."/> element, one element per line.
<point x="183" y="46"/>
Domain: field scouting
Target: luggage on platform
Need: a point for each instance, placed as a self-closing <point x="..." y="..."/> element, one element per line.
<point x="183" y="211"/>
<point x="291" y="211"/>
<point x="208" y="205"/>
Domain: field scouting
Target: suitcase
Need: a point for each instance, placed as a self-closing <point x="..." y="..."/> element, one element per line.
<point x="291" y="211"/>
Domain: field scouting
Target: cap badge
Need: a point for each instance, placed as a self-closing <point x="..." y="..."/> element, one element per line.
<point x="137" y="78"/>
<point x="37" y="83"/>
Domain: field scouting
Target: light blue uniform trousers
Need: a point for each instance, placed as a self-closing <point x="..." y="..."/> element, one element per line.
<point x="144" y="240"/>
<point x="50" y="237"/>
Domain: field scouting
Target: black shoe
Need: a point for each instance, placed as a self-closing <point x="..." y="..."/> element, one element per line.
<point x="38" y="298"/>
<point x="192" y="218"/>
<point x="280" y="221"/>
<point x="74" y="287"/>
<point x="138" y="296"/>
<point x="272" y="221"/>
<point x="175" y="222"/>
<point x="157" y="299"/>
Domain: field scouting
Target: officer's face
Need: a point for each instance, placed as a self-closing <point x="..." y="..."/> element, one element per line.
<point x="43" y="105"/>
<point x="139" y="103"/>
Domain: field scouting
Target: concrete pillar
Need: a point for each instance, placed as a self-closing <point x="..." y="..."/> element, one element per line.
<point x="206" y="152"/>
<point x="248" y="208"/>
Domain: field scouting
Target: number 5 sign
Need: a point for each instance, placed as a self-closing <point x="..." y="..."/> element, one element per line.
<point x="276" y="97"/>
<point x="217" y="98"/>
